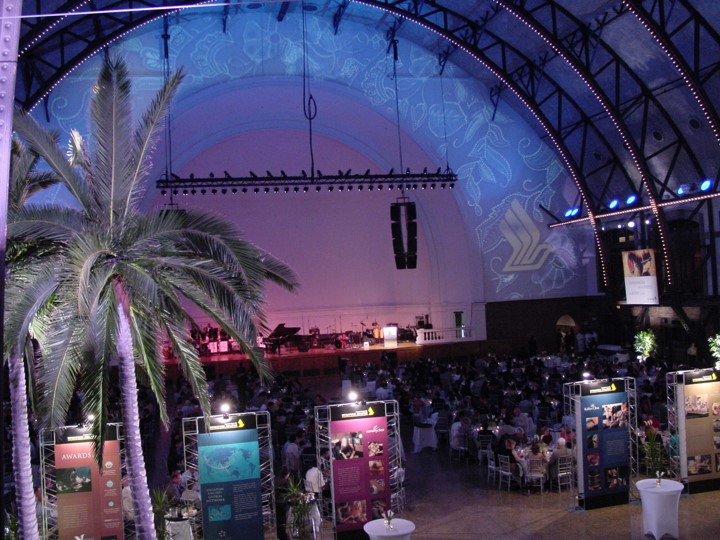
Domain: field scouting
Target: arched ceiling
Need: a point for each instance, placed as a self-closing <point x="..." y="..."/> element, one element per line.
<point x="627" y="92"/>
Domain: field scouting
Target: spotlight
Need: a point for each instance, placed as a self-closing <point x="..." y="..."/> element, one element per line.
<point x="296" y="189"/>
<point x="318" y="188"/>
<point x="452" y="185"/>
<point x="224" y="191"/>
<point x="225" y="409"/>
<point x="442" y="186"/>
<point x="631" y="224"/>
<point x="574" y="212"/>
<point x="175" y="192"/>
<point x="330" y="188"/>
<point x="706" y="184"/>
<point x="568" y="212"/>
<point x="267" y="190"/>
<point x="213" y="191"/>
<point x="276" y="189"/>
<point x="163" y="192"/>
<point x="193" y="192"/>
<point x="305" y="189"/>
<point x="211" y="175"/>
<point x="185" y="191"/>
<point x="287" y="189"/>
<point x="424" y="186"/>
<point x="631" y="199"/>
<point x="380" y="186"/>
<point x="352" y="395"/>
<point x="350" y="188"/>
<point x="340" y="188"/>
<point x="613" y="204"/>
<point x="432" y="186"/>
<point x="257" y="190"/>
<point x="390" y="186"/>
<point x="203" y="191"/>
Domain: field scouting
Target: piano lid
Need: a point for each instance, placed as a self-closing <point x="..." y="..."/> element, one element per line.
<point x="282" y="331"/>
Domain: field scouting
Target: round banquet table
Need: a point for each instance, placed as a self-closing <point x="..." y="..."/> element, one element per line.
<point x="179" y="528"/>
<point x="660" y="506"/>
<point x="402" y="529"/>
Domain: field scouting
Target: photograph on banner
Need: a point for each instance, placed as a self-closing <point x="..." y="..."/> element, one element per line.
<point x="89" y="498"/>
<point x="640" y="277"/>
<point x="361" y="483"/>
<point x="702" y="424"/>
<point x="605" y="439"/>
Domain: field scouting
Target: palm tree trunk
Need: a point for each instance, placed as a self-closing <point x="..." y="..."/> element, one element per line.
<point x="144" y="522"/>
<point x="24" y="493"/>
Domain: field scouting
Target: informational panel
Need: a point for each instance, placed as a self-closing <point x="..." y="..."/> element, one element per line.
<point x="229" y="471"/>
<point x="603" y="443"/>
<point x="699" y="428"/>
<point x="640" y="277"/>
<point x="360" y="464"/>
<point x="89" y="500"/>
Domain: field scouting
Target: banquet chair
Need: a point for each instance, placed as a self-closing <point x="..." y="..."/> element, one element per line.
<point x="442" y="427"/>
<point x="565" y="476"/>
<point x="460" y="449"/>
<point x="536" y="473"/>
<point x="506" y="473"/>
<point x="492" y="468"/>
<point x="483" y="443"/>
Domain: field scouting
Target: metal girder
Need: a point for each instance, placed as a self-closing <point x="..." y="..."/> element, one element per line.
<point x="631" y="98"/>
<point x="73" y="39"/>
<point x="669" y="24"/>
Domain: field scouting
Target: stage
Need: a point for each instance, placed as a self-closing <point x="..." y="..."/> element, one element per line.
<point x="323" y="362"/>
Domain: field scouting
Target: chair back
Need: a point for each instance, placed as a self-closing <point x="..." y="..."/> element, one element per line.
<point x="484" y="442"/>
<point x="504" y="463"/>
<point x="565" y="465"/>
<point x="490" y="457"/>
<point x="536" y="466"/>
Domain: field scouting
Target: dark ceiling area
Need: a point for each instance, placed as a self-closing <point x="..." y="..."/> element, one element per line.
<point x="626" y="92"/>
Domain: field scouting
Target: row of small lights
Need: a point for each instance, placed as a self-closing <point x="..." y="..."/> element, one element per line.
<point x="304" y="189"/>
<point x="683" y="190"/>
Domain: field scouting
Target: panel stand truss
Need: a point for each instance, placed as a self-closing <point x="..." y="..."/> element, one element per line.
<point x="191" y="430"/>
<point x="48" y="438"/>
<point x="395" y="451"/>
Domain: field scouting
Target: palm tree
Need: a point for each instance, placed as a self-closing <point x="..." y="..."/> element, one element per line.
<point x="30" y="282"/>
<point x="125" y="276"/>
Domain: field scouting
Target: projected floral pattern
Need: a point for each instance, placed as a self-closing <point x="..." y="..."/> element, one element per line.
<point x="505" y="170"/>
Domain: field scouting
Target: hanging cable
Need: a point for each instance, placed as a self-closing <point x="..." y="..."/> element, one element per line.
<point x="309" y="105"/>
<point x="442" y="61"/>
<point x="394" y="44"/>
<point x="168" y="120"/>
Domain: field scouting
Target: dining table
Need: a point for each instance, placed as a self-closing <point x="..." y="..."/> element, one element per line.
<point x="399" y="529"/>
<point x="660" y="503"/>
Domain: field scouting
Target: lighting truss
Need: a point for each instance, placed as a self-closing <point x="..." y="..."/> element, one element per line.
<point x="305" y="183"/>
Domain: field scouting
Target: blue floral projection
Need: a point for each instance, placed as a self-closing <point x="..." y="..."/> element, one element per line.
<point x="505" y="170"/>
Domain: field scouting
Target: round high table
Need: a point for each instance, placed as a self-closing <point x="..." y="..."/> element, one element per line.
<point x="660" y="506"/>
<point x="402" y="529"/>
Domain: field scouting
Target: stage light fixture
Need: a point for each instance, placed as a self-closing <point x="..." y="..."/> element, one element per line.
<point x="631" y="200"/>
<point x="706" y="184"/>
<point x="613" y="204"/>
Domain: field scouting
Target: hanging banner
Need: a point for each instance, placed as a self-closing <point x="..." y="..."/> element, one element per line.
<point x="229" y="469"/>
<point x="603" y="443"/>
<point x="640" y="277"/>
<point x="89" y="500"/>
<point x="360" y="472"/>
<point x="701" y="433"/>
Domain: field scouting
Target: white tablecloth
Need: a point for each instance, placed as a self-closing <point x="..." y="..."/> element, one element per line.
<point x="179" y="529"/>
<point x="402" y="529"/>
<point x="660" y="506"/>
<point x="424" y="437"/>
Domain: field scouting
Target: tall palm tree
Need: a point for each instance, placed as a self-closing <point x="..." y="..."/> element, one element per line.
<point x="30" y="282"/>
<point x="124" y="276"/>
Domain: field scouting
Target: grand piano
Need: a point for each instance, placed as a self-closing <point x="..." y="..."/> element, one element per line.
<point x="282" y="335"/>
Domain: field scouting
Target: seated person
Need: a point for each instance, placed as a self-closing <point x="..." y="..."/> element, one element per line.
<point x="561" y="450"/>
<point x="460" y="433"/>
<point x="506" y="447"/>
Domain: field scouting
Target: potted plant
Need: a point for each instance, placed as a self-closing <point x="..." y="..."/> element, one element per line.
<point x="645" y="343"/>
<point x="299" y="504"/>
<point x="656" y="459"/>
<point x="160" y="508"/>
<point x="714" y="346"/>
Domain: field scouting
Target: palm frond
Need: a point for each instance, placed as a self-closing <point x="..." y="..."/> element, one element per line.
<point x="145" y="139"/>
<point x="44" y="143"/>
<point x="111" y="117"/>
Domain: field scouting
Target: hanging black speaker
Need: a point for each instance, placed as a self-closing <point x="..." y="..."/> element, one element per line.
<point x="395" y="212"/>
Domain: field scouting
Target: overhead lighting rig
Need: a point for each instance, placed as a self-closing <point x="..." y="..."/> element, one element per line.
<point x="304" y="183"/>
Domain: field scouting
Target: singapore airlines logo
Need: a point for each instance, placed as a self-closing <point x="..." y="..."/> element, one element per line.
<point x="528" y="253"/>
